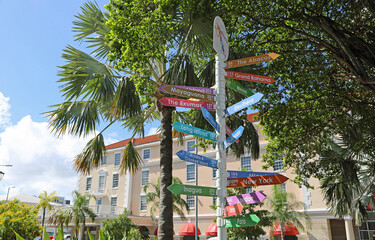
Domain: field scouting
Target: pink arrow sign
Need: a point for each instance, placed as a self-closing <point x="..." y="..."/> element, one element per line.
<point x="233" y="210"/>
<point x="247" y="198"/>
<point x="249" y="77"/>
<point x="175" y="102"/>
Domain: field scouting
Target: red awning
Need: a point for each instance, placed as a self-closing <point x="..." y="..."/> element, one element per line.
<point x="212" y="229"/>
<point x="156" y="231"/>
<point x="188" y="230"/>
<point x="290" y="229"/>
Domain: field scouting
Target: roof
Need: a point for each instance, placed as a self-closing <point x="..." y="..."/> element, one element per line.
<point x="156" y="137"/>
<point x="27" y="199"/>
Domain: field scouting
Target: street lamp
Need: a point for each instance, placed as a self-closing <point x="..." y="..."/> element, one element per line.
<point x="8" y="193"/>
<point x="1" y="175"/>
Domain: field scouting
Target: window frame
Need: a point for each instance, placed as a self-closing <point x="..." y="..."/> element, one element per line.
<point x="187" y="146"/>
<point x="142" y="196"/>
<point x="113" y="179"/>
<point x="148" y="176"/>
<point x="104" y="163"/>
<point x="190" y="166"/>
<point x="143" y="154"/>
<point x="190" y="200"/>
<point x="114" y="160"/>
<point x="89" y="189"/>
<point x="247" y="155"/>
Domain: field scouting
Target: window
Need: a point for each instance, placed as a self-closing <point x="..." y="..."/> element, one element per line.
<point x="115" y="180"/>
<point x="190" y="147"/>
<point x="117" y="159"/>
<point x="143" y="204"/>
<point x="113" y="204"/>
<point x="278" y="164"/>
<point x="190" y="200"/>
<point x="283" y="186"/>
<point x="101" y="183"/>
<point x="88" y="183"/>
<point x="190" y="172"/>
<point x="214" y="200"/>
<point x="104" y="160"/>
<point x="145" y="173"/>
<point x="246" y="162"/>
<point x="214" y="173"/>
<point x="248" y="190"/>
<point x="146" y="154"/>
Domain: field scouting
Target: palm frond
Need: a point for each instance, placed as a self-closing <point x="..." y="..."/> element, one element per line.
<point x="131" y="160"/>
<point x="136" y="123"/>
<point x="181" y="72"/>
<point x="85" y="77"/>
<point x="91" y="155"/>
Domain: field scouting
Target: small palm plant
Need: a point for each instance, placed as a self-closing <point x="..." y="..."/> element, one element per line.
<point x="45" y="203"/>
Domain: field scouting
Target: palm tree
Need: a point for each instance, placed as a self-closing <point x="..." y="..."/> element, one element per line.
<point x="60" y="217"/>
<point x="126" y="91"/>
<point x="283" y="208"/>
<point x="45" y="203"/>
<point x="179" y="204"/>
<point x="80" y="211"/>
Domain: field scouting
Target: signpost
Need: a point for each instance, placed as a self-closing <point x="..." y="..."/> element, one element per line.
<point x="220" y="38"/>
<point x="249" y="77"/>
<point x="242" y="174"/>
<point x="193" y="190"/>
<point x="175" y="102"/>
<point x="243" y="104"/>
<point x="197" y="159"/>
<point x="233" y="137"/>
<point x="247" y="198"/>
<point x="181" y="127"/>
<point x="238" y="88"/>
<point x="182" y="92"/>
<point x="257" y="181"/>
<point x="251" y="60"/>
<point x="248" y="220"/>
<point x="233" y="210"/>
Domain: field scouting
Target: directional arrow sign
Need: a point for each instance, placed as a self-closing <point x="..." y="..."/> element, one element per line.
<point x="233" y="210"/>
<point x="181" y="127"/>
<point x="257" y="181"/>
<point x="193" y="190"/>
<point x="182" y="92"/>
<point x="175" y="102"/>
<point x="238" y="88"/>
<point x="249" y="77"/>
<point x="249" y="220"/>
<point x="198" y="89"/>
<point x="233" y="137"/>
<point x="243" y="104"/>
<point x="251" y="60"/>
<point x="198" y="159"/>
<point x="210" y="119"/>
<point x="242" y="174"/>
<point x="247" y="198"/>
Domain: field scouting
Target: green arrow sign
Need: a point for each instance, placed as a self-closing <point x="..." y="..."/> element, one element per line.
<point x="249" y="220"/>
<point x="238" y="88"/>
<point x="193" y="190"/>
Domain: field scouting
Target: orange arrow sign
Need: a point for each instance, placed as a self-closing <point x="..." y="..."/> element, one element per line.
<point x="233" y="210"/>
<point x="251" y="60"/>
<point x="257" y="181"/>
<point x="249" y="77"/>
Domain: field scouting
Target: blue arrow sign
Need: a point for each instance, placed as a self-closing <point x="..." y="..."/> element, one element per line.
<point x="233" y="137"/>
<point x="242" y="174"/>
<point x="243" y="104"/>
<point x="181" y="127"/>
<point x="198" y="159"/>
<point x="210" y="119"/>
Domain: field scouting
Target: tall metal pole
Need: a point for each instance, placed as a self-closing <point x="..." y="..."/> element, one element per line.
<point x="221" y="182"/>
<point x="196" y="196"/>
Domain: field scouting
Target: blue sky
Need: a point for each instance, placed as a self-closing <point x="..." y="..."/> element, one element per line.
<point x="34" y="32"/>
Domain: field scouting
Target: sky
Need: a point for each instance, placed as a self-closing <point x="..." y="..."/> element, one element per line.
<point x="34" y="33"/>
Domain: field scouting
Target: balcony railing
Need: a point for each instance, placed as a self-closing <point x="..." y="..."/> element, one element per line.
<point x="106" y="210"/>
<point x="97" y="192"/>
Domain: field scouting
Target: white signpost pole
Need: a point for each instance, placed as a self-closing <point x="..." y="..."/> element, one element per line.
<point x="220" y="44"/>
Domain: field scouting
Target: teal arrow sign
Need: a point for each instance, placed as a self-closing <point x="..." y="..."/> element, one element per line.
<point x="181" y="127"/>
<point x="193" y="190"/>
<point x="248" y="220"/>
<point x="238" y="88"/>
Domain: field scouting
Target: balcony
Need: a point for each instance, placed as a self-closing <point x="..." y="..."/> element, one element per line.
<point x="97" y="192"/>
<point x="106" y="210"/>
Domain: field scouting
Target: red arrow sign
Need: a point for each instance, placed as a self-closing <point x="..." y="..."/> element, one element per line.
<point x="249" y="77"/>
<point x="233" y="210"/>
<point x="257" y="181"/>
<point x="175" y="102"/>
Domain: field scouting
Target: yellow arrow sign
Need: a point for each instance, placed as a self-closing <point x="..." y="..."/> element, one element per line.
<point x="251" y="60"/>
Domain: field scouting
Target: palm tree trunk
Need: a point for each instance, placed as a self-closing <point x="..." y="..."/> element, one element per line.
<point x="81" y="232"/>
<point x="165" y="231"/>
<point x="282" y="230"/>
<point x="43" y="218"/>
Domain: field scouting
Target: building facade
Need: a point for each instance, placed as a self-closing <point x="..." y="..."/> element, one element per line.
<point x="116" y="191"/>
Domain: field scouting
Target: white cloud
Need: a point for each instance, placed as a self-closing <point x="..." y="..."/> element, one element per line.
<point x="4" y="112"/>
<point x="152" y="131"/>
<point x="40" y="160"/>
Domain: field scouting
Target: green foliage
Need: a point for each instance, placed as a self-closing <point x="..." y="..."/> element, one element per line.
<point x="117" y="227"/>
<point x="81" y="210"/>
<point x="18" y="217"/>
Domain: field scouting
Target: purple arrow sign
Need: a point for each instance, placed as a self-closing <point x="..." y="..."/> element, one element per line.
<point x="198" y="89"/>
<point x="247" y="198"/>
